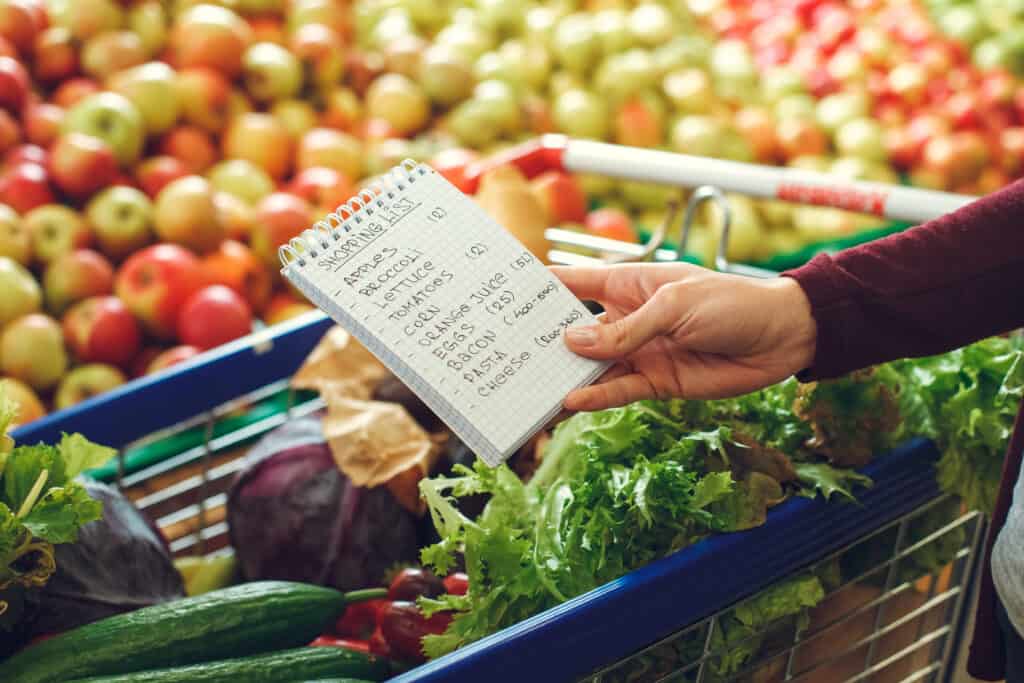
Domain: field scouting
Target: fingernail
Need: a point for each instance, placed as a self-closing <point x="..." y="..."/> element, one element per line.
<point x="581" y="336"/>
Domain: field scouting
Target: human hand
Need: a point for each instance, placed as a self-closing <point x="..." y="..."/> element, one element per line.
<point x="681" y="331"/>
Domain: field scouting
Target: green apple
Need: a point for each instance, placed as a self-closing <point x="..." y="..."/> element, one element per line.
<point x="110" y="52"/>
<point x="271" y="72"/>
<point x="242" y="178"/>
<point x="149" y="21"/>
<point x="297" y="116"/>
<point x="581" y="114"/>
<point x="122" y="219"/>
<point x="19" y="292"/>
<point x="86" y="18"/>
<point x="15" y="239"/>
<point x="87" y="381"/>
<point x="446" y="75"/>
<point x="152" y="88"/>
<point x="56" y="230"/>
<point x="575" y="43"/>
<point x="400" y="101"/>
<point x="112" y="118"/>
<point x="32" y="351"/>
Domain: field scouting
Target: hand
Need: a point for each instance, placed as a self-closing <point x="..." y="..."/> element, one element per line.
<point x="678" y="330"/>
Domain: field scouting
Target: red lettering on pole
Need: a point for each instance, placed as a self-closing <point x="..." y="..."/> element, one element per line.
<point x="848" y="198"/>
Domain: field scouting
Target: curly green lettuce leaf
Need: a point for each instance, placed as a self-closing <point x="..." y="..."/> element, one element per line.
<point x="61" y="512"/>
<point x="822" y="478"/>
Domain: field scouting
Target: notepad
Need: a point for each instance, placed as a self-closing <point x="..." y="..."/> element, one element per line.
<point x="451" y="302"/>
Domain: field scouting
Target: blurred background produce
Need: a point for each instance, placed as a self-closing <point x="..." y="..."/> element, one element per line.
<point x="156" y="154"/>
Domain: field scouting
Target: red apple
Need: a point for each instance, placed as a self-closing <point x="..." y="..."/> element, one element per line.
<point x="235" y="266"/>
<point x="205" y="98"/>
<point x="81" y="164"/>
<point x="55" y="55"/>
<point x="279" y="218"/>
<point x="321" y="52"/>
<point x="157" y="172"/>
<point x="86" y="381"/>
<point x="638" y="124"/>
<point x="324" y="188"/>
<point x="73" y="91"/>
<point x="140" y="364"/>
<point x="25" y="186"/>
<point x="798" y="137"/>
<point x="236" y="215"/>
<point x="210" y="36"/>
<point x="562" y="197"/>
<point x="261" y="139"/>
<point x="213" y="316"/>
<point x="20" y="21"/>
<point x="154" y="284"/>
<point x="31" y="153"/>
<point x="611" y="223"/>
<point x="74" y="276"/>
<point x="342" y="109"/>
<point x="1011" y="150"/>
<point x="102" y="330"/>
<point x="14" y="84"/>
<point x="171" y="357"/>
<point x="184" y="213"/>
<point x="42" y="123"/>
<point x="190" y="145"/>
<point x="32" y="351"/>
<point x="10" y="131"/>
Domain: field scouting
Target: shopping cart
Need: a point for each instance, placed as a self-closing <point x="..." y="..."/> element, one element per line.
<point x="182" y="436"/>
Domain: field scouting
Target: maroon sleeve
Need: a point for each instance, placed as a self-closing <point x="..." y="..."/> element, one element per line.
<point x="926" y="290"/>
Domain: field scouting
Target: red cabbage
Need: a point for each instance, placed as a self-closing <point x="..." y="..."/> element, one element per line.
<point x="294" y="516"/>
<point x="119" y="563"/>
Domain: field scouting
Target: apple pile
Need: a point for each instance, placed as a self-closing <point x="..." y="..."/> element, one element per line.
<point x="155" y="154"/>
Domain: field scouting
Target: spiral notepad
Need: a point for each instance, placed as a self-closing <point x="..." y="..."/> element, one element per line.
<point x="450" y="302"/>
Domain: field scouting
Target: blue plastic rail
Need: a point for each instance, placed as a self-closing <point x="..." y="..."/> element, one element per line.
<point x="149" y="404"/>
<point x="620" y="618"/>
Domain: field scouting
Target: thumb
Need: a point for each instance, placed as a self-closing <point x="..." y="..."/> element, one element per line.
<point x="621" y="337"/>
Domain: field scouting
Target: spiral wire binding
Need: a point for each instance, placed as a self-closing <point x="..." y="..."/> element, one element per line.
<point x="335" y="224"/>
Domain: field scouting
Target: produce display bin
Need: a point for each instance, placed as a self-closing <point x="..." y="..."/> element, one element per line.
<point x="182" y="435"/>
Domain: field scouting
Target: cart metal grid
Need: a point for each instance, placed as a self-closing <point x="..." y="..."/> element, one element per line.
<point x="182" y="434"/>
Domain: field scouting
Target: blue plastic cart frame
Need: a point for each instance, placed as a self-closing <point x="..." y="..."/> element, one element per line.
<point x="595" y="630"/>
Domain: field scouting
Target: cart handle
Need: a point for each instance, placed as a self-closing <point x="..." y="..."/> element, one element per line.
<point x="560" y="153"/>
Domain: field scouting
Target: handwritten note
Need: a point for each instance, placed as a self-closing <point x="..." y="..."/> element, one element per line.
<point x="456" y="307"/>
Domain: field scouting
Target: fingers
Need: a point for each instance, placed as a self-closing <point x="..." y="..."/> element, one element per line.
<point x="586" y="282"/>
<point x="620" y="337"/>
<point x="613" y="393"/>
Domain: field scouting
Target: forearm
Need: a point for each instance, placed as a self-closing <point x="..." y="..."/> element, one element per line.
<point x="929" y="289"/>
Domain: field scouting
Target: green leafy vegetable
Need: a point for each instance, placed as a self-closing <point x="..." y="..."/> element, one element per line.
<point x="820" y="477"/>
<point x="40" y="503"/>
<point x="620" y="488"/>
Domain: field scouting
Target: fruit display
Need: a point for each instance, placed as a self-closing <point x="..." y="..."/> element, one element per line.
<point x="156" y="155"/>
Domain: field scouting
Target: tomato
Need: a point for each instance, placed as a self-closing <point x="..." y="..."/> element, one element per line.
<point x="456" y="584"/>
<point x="411" y="583"/>
<point x="359" y="620"/>
<point x="611" y="223"/>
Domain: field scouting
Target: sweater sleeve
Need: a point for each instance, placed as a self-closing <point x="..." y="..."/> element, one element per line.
<point x="926" y="290"/>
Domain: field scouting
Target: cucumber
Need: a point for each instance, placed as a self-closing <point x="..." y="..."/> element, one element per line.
<point x="242" y="620"/>
<point x="304" y="663"/>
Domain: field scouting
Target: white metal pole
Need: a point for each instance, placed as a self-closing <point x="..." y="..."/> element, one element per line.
<point x="894" y="202"/>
